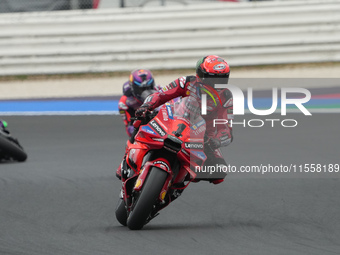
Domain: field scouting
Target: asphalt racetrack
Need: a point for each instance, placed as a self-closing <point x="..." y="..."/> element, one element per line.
<point x="62" y="200"/>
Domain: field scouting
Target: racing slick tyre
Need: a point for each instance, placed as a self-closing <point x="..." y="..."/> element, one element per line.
<point x="144" y="204"/>
<point x="121" y="213"/>
<point x="12" y="149"/>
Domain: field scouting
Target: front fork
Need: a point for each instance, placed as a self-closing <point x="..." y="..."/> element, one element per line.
<point x="133" y="182"/>
<point x="161" y="164"/>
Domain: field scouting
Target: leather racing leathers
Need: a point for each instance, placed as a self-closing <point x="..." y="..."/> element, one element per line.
<point x="127" y="106"/>
<point x="219" y="107"/>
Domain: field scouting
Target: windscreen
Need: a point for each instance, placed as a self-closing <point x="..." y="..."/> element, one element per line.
<point x="188" y="108"/>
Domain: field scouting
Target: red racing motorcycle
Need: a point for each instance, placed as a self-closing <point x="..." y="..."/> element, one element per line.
<point x="160" y="161"/>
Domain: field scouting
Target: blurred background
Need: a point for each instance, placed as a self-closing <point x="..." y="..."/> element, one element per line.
<point x="71" y="57"/>
<point x="97" y="42"/>
<point x="52" y="5"/>
<point x="35" y="41"/>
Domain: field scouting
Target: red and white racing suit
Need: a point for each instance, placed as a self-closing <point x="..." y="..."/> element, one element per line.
<point x="190" y="86"/>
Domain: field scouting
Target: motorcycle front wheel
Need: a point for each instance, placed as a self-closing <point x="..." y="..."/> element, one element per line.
<point x="147" y="198"/>
<point x="121" y="213"/>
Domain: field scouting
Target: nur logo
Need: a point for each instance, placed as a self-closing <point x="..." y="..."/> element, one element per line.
<point x="238" y="99"/>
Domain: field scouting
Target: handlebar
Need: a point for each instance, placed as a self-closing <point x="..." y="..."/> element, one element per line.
<point x="143" y="119"/>
<point x="140" y="120"/>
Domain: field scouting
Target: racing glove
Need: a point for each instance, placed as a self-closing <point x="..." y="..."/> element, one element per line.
<point x="214" y="143"/>
<point x="141" y="111"/>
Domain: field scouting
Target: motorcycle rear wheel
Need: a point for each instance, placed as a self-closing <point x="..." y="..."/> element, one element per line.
<point x="12" y="150"/>
<point x="147" y="198"/>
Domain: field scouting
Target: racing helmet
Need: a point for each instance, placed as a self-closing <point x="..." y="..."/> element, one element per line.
<point x="141" y="80"/>
<point x="3" y="124"/>
<point x="212" y="70"/>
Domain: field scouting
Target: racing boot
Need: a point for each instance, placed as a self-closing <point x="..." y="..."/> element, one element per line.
<point x="119" y="172"/>
<point x="216" y="181"/>
<point x="213" y="181"/>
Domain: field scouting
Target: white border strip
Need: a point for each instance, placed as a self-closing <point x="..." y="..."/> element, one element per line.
<point x="51" y="113"/>
<point x="311" y="110"/>
<point x="59" y="113"/>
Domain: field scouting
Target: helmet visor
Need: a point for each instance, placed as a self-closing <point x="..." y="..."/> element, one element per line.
<point x="139" y="88"/>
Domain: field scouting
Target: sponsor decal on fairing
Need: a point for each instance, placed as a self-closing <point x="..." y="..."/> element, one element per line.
<point x="163" y="164"/>
<point x="168" y="108"/>
<point x="157" y="128"/>
<point x="194" y="145"/>
<point x="148" y="130"/>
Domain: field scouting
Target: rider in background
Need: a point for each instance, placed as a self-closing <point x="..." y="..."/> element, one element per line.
<point x="210" y="70"/>
<point x="3" y="126"/>
<point x="141" y="84"/>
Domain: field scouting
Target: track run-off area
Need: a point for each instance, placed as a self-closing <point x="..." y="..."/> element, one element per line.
<point x="62" y="200"/>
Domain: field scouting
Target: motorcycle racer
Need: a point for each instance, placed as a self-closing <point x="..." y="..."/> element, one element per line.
<point x="210" y="70"/>
<point x="10" y="148"/>
<point x="3" y="126"/>
<point x="140" y="84"/>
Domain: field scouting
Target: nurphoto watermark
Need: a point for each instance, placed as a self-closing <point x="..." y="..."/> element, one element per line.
<point x="238" y="103"/>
